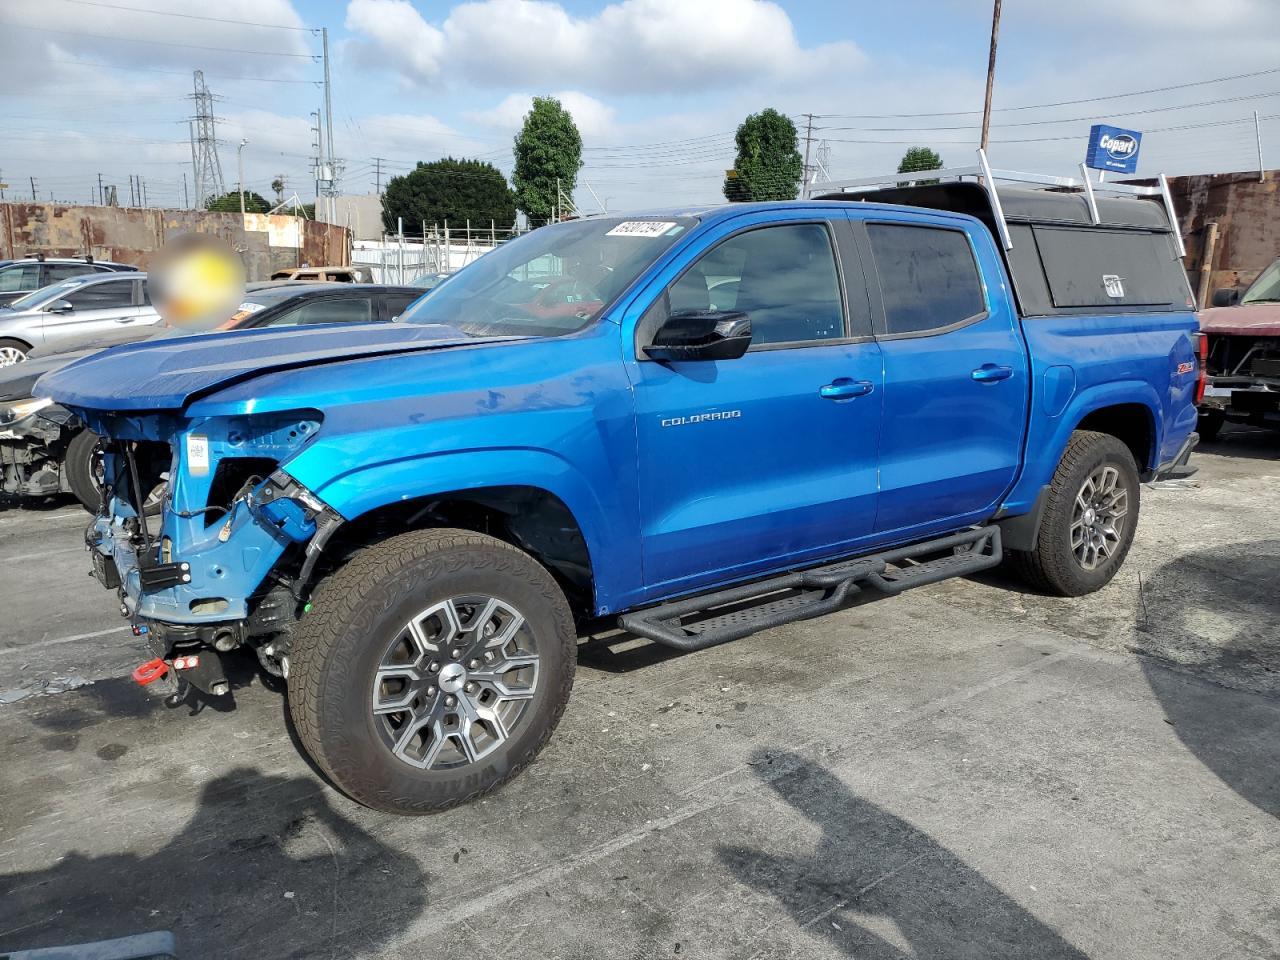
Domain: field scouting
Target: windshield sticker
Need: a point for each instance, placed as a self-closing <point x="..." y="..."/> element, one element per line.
<point x="641" y="228"/>
<point x="248" y="307"/>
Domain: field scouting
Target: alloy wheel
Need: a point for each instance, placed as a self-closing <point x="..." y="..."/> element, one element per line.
<point x="1099" y="516"/>
<point x="455" y="682"/>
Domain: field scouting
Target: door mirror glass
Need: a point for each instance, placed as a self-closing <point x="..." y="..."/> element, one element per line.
<point x="1226" y="297"/>
<point x="60" y="306"/>
<point x="701" y="335"/>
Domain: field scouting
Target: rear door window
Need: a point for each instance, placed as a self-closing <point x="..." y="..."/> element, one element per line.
<point x="928" y="278"/>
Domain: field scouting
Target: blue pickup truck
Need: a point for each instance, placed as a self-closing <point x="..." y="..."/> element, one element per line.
<point x="698" y="423"/>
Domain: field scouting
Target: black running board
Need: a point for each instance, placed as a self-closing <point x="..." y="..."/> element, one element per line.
<point x="740" y="611"/>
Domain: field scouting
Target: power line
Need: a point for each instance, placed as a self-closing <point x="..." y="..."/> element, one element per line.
<point x="163" y="43"/>
<point x="187" y="16"/>
<point x="1039" y="123"/>
<point x="1040" y="106"/>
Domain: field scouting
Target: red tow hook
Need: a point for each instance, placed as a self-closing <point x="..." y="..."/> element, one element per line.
<point x="150" y="672"/>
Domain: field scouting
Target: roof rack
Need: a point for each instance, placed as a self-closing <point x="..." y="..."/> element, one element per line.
<point x="987" y="177"/>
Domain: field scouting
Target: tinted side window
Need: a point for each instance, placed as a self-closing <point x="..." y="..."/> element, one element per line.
<point x="397" y="303"/>
<point x="55" y="272"/>
<point x="103" y="296"/>
<point x="1110" y="268"/>
<point x="25" y="276"/>
<point x="358" y="310"/>
<point x="784" y="278"/>
<point x="928" y="277"/>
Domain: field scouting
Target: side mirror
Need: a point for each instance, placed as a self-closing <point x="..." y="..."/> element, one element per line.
<point x="59" y="306"/>
<point x="701" y="335"/>
<point x="1226" y="297"/>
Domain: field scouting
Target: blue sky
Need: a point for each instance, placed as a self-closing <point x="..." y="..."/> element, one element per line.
<point x="657" y="86"/>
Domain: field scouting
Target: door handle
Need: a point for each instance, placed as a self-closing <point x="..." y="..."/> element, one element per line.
<point x="843" y="388"/>
<point x="125" y="319"/>
<point x="991" y="372"/>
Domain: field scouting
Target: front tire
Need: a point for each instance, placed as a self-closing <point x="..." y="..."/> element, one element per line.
<point x="1089" y="520"/>
<point x="12" y="351"/>
<point x="82" y="464"/>
<point x="431" y="669"/>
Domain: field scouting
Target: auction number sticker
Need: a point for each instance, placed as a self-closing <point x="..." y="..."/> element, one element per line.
<point x="641" y="228"/>
<point x="197" y="454"/>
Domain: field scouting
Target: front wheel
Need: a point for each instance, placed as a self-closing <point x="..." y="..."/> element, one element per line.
<point x="1089" y="520"/>
<point x="83" y="463"/>
<point x="431" y="669"/>
<point x="12" y="351"/>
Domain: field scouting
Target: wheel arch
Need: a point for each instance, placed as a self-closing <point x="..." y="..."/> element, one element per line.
<point x="529" y="517"/>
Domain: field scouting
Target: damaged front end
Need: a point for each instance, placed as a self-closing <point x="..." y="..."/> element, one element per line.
<point x="209" y="543"/>
<point x="34" y="434"/>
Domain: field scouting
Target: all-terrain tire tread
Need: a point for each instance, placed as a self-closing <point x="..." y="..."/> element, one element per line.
<point x="336" y="602"/>
<point x="1047" y="568"/>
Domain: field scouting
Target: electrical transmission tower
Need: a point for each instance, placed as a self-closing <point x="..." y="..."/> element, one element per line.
<point x="204" y="145"/>
<point x="822" y="168"/>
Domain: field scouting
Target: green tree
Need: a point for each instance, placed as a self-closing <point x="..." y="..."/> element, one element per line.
<point x="769" y="165"/>
<point x="917" y="159"/>
<point x="548" y="148"/>
<point x="448" y="189"/>
<point x="230" y="203"/>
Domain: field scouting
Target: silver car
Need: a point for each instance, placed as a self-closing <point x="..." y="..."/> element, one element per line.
<point x="109" y="306"/>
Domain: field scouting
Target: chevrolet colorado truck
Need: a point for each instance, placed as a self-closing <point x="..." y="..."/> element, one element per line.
<point x="700" y="422"/>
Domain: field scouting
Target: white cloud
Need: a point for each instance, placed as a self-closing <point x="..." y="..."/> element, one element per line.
<point x="631" y="46"/>
<point x="595" y="120"/>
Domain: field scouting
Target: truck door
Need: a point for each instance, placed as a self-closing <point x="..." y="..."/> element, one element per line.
<point x="956" y="374"/>
<point x="769" y="459"/>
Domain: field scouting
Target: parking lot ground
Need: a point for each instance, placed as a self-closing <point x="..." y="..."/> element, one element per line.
<point x="962" y="771"/>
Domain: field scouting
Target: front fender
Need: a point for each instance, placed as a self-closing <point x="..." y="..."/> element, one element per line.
<point x="368" y="486"/>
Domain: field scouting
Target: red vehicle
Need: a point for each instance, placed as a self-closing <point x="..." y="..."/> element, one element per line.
<point x="1243" y="361"/>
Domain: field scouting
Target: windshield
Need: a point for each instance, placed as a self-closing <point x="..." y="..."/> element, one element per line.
<point x="1266" y="288"/>
<point x="553" y="281"/>
<point x="52" y="292"/>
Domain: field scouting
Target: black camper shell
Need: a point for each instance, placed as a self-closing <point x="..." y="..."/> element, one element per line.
<point x="1062" y="260"/>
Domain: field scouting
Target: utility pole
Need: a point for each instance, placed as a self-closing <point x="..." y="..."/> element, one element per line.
<point x="1257" y="132"/>
<point x="142" y="187"/>
<point x="808" y="140"/>
<point x="102" y="197"/>
<point x="33" y="189"/>
<point x="240" y="172"/>
<point x="328" y="123"/>
<point x="186" y="201"/>
<point x="991" y="74"/>
<point x="131" y="203"/>
<point x="377" y="174"/>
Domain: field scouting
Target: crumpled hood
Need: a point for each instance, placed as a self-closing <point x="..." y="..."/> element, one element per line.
<point x="1247" y="320"/>
<point x="166" y="374"/>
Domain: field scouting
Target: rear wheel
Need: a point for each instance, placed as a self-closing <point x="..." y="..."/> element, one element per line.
<point x="1089" y="520"/>
<point x="12" y="351"/>
<point x="431" y="669"/>
<point x="83" y="464"/>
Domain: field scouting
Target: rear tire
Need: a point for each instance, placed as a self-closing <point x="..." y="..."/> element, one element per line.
<point x="1209" y="424"/>
<point x="431" y="669"/>
<point x="12" y="351"/>
<point x="80" y="464"/>
<point x="1089" y="519"/>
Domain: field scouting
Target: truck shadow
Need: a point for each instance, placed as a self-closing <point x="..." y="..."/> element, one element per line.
<point x="258" y="871"/>
<point x="875" y="886"/>
<point x="1220" y="607"/>
<point x="1246" y="443"/>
